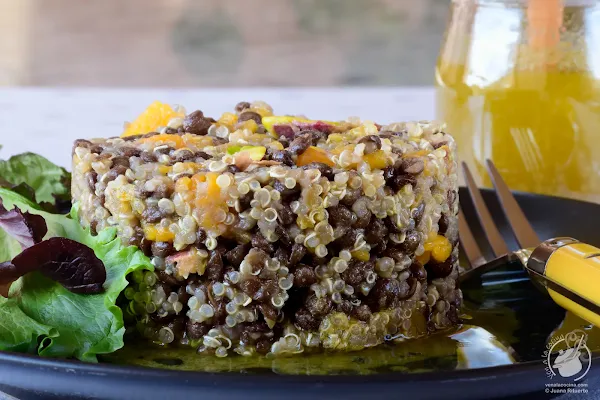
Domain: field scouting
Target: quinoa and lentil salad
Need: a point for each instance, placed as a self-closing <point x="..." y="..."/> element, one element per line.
<point x="278" y="234"/>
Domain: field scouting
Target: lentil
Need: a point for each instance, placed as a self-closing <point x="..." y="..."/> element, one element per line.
<point x="250" y="115"/>
<point x="304" y="276"/>
<point x="306" y="321"/>
<point x="300" y="144"/>
<point x="284" y="157"/>
<point x="241" y="106"/>
<point x="196" y="123"/>
<point x="372" y="143"/>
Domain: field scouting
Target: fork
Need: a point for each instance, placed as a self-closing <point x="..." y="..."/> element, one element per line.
<point x="564" y="267"/>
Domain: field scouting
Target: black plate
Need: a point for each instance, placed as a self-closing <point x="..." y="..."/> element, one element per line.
<point x="535" y="319"/>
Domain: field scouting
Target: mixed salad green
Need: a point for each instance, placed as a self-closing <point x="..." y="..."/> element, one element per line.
<point x="58" y="283"/>
<point x="39" y="180"/>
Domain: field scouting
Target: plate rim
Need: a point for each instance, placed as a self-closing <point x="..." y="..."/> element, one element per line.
<point x="205" y="378"/>
<point x="29" y="360"/>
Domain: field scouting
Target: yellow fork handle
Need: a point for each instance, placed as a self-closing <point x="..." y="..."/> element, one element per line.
<point x="572" y="272"/>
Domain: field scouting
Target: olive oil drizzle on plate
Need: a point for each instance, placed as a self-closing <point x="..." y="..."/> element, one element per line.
<point x="492" y="334"/>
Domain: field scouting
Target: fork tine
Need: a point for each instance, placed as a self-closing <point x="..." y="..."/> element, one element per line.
<point x="468" y="243"/>
<point x="494" y="237"/>
<point x="522" y="229"/>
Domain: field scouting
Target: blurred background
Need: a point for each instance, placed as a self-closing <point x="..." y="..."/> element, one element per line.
<point x="220" y="43"/>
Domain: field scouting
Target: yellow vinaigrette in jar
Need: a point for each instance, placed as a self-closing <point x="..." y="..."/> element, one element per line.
<point x="535" y="112"/>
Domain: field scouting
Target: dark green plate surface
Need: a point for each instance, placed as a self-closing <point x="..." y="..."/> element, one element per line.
<point x="498" y="351"/>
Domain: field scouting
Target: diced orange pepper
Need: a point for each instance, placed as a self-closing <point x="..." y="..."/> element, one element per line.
<point x="361" y="255"/>
<point x="250" y="124"/>
<point x="338" y="150"/>
<point x="164" y="235"/>
<point x="158" y="234"/>
<point x="157" y="114"/>
<point x="377" y="159"/>
<point x="208" y="199"/>
<point x="199" y="178"/>
<point x="198" y="141"/>
<point x="228" y="119"/>
<point x="213" y="191"/>
<point x="314" y="154"/>
<point x="424" y="258"/>
<point x="440" y="248"/>
<point x="164" y="138"/>
<point x="183" y="185"/>
<point x="150" y="232"/>
<point x="125" y="207"/>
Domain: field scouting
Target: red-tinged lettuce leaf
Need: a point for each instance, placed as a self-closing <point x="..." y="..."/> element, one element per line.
<point x="28" y="229"/>
<point x="70" y="263"/>
<point x="22" y="188"/>
<point x="9" y="247"/>
<point x="8" y="274"/>
<point x="57" y="227"/>
<point x="61" y="323"/>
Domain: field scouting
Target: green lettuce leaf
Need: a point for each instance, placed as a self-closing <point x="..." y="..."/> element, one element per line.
<point x="58" y="225"/>
<point x="9" y="247"/>
<point x="47" y="179"/>
<point x="66" y="324"/>
<point x="19" y="332"/>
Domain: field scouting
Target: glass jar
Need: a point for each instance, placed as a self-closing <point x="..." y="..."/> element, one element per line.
<point x="518" y="82"/>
